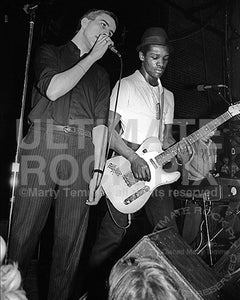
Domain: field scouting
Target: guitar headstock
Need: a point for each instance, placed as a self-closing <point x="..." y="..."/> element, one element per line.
<point x="234" y="109"/>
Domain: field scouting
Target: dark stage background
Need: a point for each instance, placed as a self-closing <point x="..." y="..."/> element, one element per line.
<point x="205" y="36"/>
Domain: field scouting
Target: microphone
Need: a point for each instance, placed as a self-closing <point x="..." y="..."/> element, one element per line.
<point x="204" y="87"/>
<point x="114" y="50"/>
<point x="30" y="8"/>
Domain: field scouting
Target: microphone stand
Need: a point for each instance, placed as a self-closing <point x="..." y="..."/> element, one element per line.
<point x="111" y="134"/>
<point x="31" y="10"/>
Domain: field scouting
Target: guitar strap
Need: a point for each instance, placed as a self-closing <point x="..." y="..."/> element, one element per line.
<point x="160" y="133"/>
<point x="131" y="145"/>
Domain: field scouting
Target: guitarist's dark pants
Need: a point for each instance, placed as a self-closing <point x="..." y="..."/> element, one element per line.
<point x="159" y="210"/>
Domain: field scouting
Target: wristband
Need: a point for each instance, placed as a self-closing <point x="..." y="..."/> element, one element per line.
<point x="98" y="171"/>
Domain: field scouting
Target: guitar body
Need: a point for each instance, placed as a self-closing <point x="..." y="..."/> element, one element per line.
<point x="126" y="193"/>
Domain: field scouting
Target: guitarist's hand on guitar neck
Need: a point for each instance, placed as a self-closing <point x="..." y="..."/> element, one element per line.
<point x="184" y="151"/>
<point x="139" y="167"/>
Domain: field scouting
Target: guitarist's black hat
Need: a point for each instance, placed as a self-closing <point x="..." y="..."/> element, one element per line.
<point x="154" y="36"/>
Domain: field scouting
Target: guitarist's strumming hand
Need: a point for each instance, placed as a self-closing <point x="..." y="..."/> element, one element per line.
<point x="95" y="189"/>
<point x="139" y="167"/>
<point x="184" y="151"/>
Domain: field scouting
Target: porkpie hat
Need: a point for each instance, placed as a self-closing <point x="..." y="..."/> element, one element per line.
<point x="154" y="36"/>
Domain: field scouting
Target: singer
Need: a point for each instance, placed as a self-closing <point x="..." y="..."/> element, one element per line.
<point x="65" y="145"/>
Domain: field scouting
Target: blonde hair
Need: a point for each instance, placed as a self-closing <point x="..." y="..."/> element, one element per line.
<point x="142" y="278"/>
<point x="10" y="278"/>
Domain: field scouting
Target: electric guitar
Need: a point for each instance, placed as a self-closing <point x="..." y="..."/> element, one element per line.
<point x="128" y="194"/>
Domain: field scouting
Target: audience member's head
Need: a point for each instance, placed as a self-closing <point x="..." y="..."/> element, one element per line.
<point x="142" y="278"/>
<point x="10" y="278"/>
<point x="3" y="249"/>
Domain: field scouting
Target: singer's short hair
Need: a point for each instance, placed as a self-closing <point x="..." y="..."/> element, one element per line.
<point x="142" y="278"/>
<point x="93" y="13"/>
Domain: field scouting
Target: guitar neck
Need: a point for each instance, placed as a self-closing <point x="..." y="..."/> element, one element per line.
<point x="171" y="152"/>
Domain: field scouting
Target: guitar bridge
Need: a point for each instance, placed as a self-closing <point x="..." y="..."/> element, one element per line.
<point x="136" y="195"/>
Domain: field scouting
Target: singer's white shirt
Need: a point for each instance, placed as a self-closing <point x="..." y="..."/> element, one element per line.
<point x="137" y="107"/>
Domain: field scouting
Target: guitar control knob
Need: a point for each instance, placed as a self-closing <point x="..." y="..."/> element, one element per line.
<point x="233" y="191"/>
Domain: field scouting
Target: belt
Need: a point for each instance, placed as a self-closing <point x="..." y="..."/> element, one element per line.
<point x="70" y="130"/>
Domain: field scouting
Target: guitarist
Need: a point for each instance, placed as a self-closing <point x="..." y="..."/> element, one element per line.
<point x="144" y="109"/>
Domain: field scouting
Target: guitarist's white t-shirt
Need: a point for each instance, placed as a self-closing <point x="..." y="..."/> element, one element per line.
<point x="136" y="104"/>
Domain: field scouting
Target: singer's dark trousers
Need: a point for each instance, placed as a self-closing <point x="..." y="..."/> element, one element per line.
<point x="54" y="170"/>
<point x="159" y="210"/>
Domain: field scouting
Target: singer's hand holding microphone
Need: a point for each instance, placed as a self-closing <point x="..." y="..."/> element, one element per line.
<point x="103" y="43"/>
<point x="112" y="47"/>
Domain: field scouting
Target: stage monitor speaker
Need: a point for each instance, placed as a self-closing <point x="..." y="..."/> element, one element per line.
<point x="228" y="267"/>
<point x="196" y="279"/>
